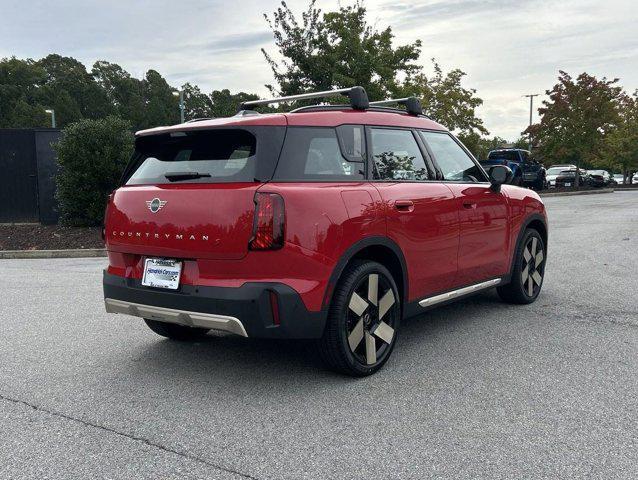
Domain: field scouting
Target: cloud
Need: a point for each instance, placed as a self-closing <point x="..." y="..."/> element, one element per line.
<point x="238" y="41"/>
<point x="420" y="12"/>
<point x="507" y="47"/>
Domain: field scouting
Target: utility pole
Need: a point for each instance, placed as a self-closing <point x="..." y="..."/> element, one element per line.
<point x="531" y="110"/>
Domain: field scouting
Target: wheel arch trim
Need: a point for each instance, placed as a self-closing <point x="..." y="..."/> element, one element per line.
<point x="352" y="251"/>
<point x="519" y="238"/>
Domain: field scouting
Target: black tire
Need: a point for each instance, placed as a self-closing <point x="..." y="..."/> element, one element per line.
<point x="529" y="270"/>
<point x="371" y="328"/>
<point x="176" y="332"/>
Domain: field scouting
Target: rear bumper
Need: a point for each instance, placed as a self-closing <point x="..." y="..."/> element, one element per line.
<point x="172" y="315"/>
<point x="245" y="310"/>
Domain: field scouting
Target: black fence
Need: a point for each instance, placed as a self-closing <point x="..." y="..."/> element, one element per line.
<point x="27" y="175"/>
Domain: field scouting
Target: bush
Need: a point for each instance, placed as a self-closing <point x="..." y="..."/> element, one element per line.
<point x="92" y="155"/>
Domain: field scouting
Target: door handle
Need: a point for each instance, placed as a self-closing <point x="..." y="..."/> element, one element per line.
<point x="404" y="205"/>
<point x="468" y="204"/>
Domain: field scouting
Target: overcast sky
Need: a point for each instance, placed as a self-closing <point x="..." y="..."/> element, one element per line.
<point x="508" y="48"/>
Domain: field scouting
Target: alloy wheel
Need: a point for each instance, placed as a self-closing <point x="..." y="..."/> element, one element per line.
<point x="533" y="267"/>
<point x="372" y="317"/>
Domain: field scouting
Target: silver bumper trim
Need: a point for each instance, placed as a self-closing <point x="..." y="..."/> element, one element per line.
<point x="181" y="317"/>
<point x="426" y="302"/>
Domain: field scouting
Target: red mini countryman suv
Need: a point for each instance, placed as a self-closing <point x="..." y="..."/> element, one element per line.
<point x="330" y="222"/>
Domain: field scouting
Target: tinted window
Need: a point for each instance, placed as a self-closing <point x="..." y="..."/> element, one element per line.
<point x="510" y="155"/>
<point x="455" y="164"/>
<point x="314" y="154"/>
<point x="218" y="155"/>
<point x="396" y="155"/>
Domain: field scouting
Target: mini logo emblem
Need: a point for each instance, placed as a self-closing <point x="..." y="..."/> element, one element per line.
<point x="155" y="205"/>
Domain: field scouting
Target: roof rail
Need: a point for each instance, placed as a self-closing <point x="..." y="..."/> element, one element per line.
<point x="201" y="119"/>
<point x="412" y="104"/>
<point x="358" y="98"/>
<point x="371" y="108"/>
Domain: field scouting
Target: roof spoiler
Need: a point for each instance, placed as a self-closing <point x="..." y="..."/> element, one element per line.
<point x="412" y="104"/>
<point x="357" y="95"/>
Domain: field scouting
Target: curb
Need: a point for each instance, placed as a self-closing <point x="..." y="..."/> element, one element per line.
<point x="77" y="253"/>
<point x="583" y="192"/>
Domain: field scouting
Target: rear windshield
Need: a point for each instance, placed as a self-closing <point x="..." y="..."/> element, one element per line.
<point x="511" y="156"/>
<point x="210" y="156"/>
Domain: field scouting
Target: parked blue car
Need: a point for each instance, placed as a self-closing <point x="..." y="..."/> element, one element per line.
<point x="527" y="171"/>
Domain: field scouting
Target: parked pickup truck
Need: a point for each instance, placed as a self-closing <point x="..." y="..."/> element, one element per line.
<point x="527" y="171"/>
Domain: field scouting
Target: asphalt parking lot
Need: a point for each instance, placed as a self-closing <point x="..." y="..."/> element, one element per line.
<point x="478" y="389"/>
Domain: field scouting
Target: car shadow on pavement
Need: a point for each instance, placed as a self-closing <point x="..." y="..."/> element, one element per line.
<point x="228" y="357"/>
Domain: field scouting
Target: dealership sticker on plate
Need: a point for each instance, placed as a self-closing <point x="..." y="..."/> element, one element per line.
<point x="162" y="273"/>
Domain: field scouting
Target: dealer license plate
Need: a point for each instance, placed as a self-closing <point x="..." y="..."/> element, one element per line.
<point x="568" y="184"/>
<point x="162" y="273"/>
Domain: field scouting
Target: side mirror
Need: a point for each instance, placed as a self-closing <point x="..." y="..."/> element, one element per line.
<point x="500" y="174"/>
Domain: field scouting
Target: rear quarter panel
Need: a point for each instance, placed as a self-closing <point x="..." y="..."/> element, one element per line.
<point x="322" y="221"/>
<point x="327" y="218"/>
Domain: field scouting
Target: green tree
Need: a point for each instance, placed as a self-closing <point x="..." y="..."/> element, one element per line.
<point x="19" y="94"/>
<point x="340" y="49"/>
<point x="162" y="107"/>
<point x="92" y="155"/>
<point x="225" y="104"/>
<point x="336" y="50"/>
<point x="481" y="146"/>
<point x="28" y="87"/>
<point x="125" y="93"/>
<point x="145" y="103"/>
<point x="444" y="98"/>
<point x="196" y="103"/>
<point x="521" y="142"/>
<point x="71" y="91"/>
<point x="576" y="119"/>
<point x="621" y="144"/>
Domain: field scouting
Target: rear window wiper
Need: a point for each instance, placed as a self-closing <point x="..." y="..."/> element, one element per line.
<point x="177" y="176"/>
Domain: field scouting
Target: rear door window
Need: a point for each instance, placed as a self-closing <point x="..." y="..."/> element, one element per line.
<point x="212" y="156"/>
<point x="311" y="153"/>
<point x="455" y="164"/>
<point x="396" y="155"/>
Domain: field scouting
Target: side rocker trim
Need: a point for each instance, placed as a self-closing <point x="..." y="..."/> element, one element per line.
<point x="459" y="292"/>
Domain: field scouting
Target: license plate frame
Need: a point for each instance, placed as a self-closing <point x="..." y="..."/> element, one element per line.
<point x="164" y="273"/>
<point x="568" y="184"/>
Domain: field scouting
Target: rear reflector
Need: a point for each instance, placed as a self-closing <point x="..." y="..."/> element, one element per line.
<point x="268" y="227"/>
<point x="274" y="307"/>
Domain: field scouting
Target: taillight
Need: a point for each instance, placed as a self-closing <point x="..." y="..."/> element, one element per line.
<point x="268" y="226"/>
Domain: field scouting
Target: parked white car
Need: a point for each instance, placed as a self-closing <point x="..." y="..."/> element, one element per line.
<point x="619" y="178"/>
